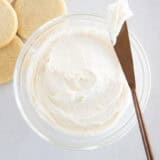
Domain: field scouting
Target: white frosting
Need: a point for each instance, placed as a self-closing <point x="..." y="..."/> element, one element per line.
<point x="75" y="82"/>
<point x="117" y="13"/>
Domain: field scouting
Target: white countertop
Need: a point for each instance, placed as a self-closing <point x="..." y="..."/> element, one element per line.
<point x="18" y="141"/>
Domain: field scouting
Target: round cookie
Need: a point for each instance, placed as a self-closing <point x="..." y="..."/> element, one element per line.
<point x="8" y="57"/>
<point x="33" y="13"/>
<point x="8" y="23"/>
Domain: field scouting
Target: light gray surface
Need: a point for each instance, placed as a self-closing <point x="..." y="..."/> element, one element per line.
<point x="18" y="141"/>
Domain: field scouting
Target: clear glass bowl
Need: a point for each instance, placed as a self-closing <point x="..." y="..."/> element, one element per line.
<point x="126" y="121"/>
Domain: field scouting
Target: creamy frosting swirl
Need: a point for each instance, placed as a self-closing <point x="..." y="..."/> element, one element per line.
<point x="76" y="83"/>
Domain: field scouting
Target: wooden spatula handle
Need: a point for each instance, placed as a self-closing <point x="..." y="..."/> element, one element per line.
<point x="142" y="127"/>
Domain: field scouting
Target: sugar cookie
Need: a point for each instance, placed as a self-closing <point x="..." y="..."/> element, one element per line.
<point x="8" y="23"/>
<point x="8" y="57"/>
<point x="33" y="13"/>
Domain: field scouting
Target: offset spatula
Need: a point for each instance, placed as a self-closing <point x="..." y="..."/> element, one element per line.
<point x="123" y="51"/>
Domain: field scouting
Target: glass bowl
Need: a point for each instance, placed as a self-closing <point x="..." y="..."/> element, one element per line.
<point x="127" y="119"/>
